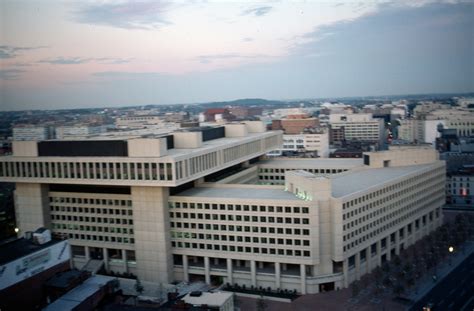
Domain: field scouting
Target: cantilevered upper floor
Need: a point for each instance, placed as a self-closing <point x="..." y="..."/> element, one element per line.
<point x="155" y="160"/>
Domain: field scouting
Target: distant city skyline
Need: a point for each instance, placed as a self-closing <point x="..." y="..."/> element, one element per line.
<point x="61" y="55"/>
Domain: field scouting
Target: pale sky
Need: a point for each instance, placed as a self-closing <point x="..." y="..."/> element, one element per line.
<point x="74" y="54"/>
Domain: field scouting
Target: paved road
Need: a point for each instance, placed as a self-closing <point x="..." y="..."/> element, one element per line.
<point x="454" y="292"/>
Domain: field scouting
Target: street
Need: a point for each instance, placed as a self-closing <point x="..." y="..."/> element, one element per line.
<point x="454" y="292"/>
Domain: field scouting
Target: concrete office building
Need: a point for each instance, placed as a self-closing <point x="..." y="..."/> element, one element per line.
<point x="312" y="143"/>
<point x="195" y="205"/>
<point x="79" y="130"/>
<point x="31" y="132"/>
<point x="360" y="126"/>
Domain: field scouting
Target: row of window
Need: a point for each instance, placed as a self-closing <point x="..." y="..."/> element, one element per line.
<point x="238" y="228"/>
<point x="238" y="238"/>
<point x="100" y="238"/>
<point x="246" y="218"/>
<point x="241" y="249"/>
<point x="91" y="210"/>
<point x="239" y="207"/>
<point x="88" y="170"/>
<point x="127" y="231"/>
<point x="99" y="220"/>
<point x="93" y="201"/>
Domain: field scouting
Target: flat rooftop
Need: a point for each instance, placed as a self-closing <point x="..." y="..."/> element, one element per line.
<point x="254" y="193"/>
<point x="355" y="181"/>
<point x="19" y="248"/>
<point x="79" y="294"/>
<point x="211" y="299"/>
<point x="313" y="163"/>
<point x="217" y="143"/>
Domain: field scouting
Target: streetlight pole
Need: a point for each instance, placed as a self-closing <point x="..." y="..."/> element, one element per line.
<point x="451" y="250"/>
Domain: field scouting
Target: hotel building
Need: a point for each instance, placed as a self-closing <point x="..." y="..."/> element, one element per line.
<point x="202" y="203"/>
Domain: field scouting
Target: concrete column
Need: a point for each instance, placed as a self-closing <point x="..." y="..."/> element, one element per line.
<point x="357" y="265"/>
<point x="152" y="234"/>
<point x="303" y="278"/>
<point x="124" y="258"/>
<point x="253" y="272"/>
<point x="368" y="261"/>
<point x="88" y="253"/>
<point x="397" y="242"/>
<point x="277" y="275"/>
<point x="207" y="270"/>
<point x="379" y="253"/>
<point x="229" y="271"/>
<point x="106" y="259"/>
<point x="32" y="207"/>
<point x="345" y="271"/>
<point x="389" y="249"/>
<point x="185" y="268"/>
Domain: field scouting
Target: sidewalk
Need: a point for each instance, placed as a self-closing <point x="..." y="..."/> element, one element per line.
<point x="426" y="283"/>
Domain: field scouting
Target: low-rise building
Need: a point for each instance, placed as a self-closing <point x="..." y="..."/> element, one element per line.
<point x="26" y="264"/>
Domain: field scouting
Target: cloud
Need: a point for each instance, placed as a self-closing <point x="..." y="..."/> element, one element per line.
<point x="8" y="51"/>
<point x="127" y="74"/>
<point x="80" y="60"/>
<point x="127" y="15"/>
<point x="258" y="11"/>
<point x="206" y="59"/>
<point x="10" y="74"/>
<point x="65" y="61"/>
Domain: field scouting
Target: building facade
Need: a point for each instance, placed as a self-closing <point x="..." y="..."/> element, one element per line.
<point x="31" y="132"/>
<point x="316" y="144"/>
<point x="202" y="205"/>
<point x="361" y="126"/>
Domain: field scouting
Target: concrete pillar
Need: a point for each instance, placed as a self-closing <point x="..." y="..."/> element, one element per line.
<point x="397" y="242"/>
<point x="253" y="272"/>
<point x="31" y="207"/>
<point x="185" y="268"/>
<point x="379" y="253"/>
<point x="152" y="234"/>
<point x="88" y="253"/>
<point x="345" y="271"/>
<point x="357" y="265"/>
<point x="277" y="275"/>
<point x="125" y="260"/>
<point x="303" y="278"/>
<point x="106" y="259"/>
<point x="207" y="270"/>
<point x="229" y="271"/>
<point x="368" y="257"/>
<point x="389" y="249"/>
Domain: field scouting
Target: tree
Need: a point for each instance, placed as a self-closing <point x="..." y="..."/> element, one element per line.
<point x="139" y="287"/>
<point x="261" y="304"/>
